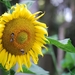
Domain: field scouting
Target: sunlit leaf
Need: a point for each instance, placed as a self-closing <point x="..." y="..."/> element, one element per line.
<point x="65" y="44"/>
<point x="66" y="74"/>
<point x="26" y="70"/>
<point x="35" y="70"/>
<point x="29" y="3"/>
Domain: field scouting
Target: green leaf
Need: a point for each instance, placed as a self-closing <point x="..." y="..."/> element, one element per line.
<point x="65" y="44"/>
<point x="66" y="74"/>
<point x="68" y="61"/>
<point x="71" y="72"/>
<point x="6" y="3"/>
<point x="12" y="72"/>
<point x="3" y="70"/>
<point x="36" y="70"/>
<point x="26" y="70"/>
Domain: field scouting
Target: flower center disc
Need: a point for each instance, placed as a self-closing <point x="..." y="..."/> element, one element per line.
<point x="18" y="36"/>
<point x="22" y="37"/>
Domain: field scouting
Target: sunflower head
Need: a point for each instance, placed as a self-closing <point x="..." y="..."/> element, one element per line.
<point x="21" y="37"/>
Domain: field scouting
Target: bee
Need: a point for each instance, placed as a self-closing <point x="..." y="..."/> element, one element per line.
<point x="12" y="37"/>
<point x="22" y="51"/>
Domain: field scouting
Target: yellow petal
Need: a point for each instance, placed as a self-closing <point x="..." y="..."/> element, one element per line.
<point x="1" y="35"/>
<point x="1" y="47"/>
<point x="2" y="55"/>
<point x="7" y="66"/>
<point x="7" y="16"/>
<point x="0" y="43"/>
<point x="2" y="22"/>
<point x="2" y="25"/>
<point x="34" y="56"/>
<point x="36" y="23"/>
<point x="28" y="60"/>
<point x="40" y="40"/>
<point x="12" y="61"/>
<point x="40" y="16"/>
<point x="37" y="49"/>
<point x="24" y="58"/>
<point x="41" y="30"/>
<point x="1" y="30"/>
<point x="9" y="57"/>
<point x="15" y="13"/>
<point x="41" y="36"/>
<point x="19" y="63"/>
<point x="5" y="59"/>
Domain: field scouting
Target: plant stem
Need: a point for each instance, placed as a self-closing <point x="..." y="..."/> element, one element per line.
<point x="54" y="59"/>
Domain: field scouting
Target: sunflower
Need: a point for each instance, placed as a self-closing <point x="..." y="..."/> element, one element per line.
<point x="21" y="37"/>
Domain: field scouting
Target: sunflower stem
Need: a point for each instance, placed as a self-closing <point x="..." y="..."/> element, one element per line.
<point x="54" y="59"/>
